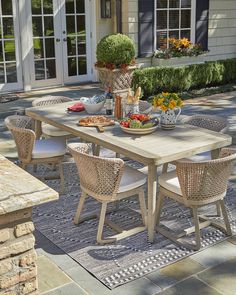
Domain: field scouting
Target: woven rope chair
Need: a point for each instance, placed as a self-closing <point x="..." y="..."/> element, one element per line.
<point x="32" y="151"/>
<point x="145" y="107"/>
<point x="107" y="180"/>
<point x="47" y="129"/>
<point x="210" y="122"/>
<point x="196" y="184"/>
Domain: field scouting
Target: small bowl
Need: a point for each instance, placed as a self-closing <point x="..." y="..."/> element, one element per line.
<point x="93" y="108"/>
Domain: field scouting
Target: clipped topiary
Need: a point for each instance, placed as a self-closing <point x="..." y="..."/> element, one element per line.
<point x="116" y="50"/>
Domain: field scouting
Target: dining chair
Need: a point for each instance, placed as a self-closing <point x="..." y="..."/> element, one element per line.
<point x="145" y="107"/>
<point x="210" y="122"/>
<point x="195" y="184"/>
<point x="32" y="151"/>
<point x="107" y="180"/>
<point x="47" y="129"/>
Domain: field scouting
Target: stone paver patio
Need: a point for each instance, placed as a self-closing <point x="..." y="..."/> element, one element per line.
<point x="211" y="271"/>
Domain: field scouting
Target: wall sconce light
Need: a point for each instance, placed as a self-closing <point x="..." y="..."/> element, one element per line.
<point x="105" y="8"/>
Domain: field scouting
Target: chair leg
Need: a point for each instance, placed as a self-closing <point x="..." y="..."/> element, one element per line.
<point x="197" y="228"/>
<point x="101" y="224"/>
<point x="159" y="208"/>
<point x="62" y="190"/>
<point x="79" y="208"/>
<point x="218" y="210"/>
<point x="226" y="218"/>
<point x="143" y="207"/>
<point x="165" y="168"/>
<point x="35" y="168"/>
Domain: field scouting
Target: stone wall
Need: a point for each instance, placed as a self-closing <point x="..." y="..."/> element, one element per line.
<point x="18" y="270"/>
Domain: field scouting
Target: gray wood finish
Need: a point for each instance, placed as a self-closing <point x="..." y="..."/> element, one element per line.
<point x="153" y="150"/>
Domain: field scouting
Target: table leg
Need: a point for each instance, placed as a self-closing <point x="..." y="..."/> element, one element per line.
<point x="38" y="129"/>
<point x="152" y="188"/>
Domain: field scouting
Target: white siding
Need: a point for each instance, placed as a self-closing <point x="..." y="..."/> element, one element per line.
<point x="221" y="28"/>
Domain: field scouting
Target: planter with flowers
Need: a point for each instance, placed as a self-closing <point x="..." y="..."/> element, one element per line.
<point x="170" y="105"/>
<point x="115" y="62"/>
<point x="180" y="52"/>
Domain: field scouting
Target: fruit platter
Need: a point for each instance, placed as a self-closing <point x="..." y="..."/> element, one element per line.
<point x="139" y="124"/>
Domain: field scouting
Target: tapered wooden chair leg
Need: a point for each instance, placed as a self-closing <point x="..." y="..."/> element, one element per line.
<point x="79" y="208"/>
<point x="159" y="208"/>
<point x="101" y="223"/>
<point x="165" y="168"/>
<point x="226" y="218"/>
<point x="62" y="179"/>
<point x="197" y="228"/>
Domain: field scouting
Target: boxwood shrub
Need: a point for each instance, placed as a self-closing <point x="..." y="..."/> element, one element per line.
<point x="157" y="79"/>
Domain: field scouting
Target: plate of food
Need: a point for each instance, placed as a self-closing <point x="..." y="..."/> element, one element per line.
<point x="139" y="124"/>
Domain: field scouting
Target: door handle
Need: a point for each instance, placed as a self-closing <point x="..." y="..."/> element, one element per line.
<point x="58" y="40"/>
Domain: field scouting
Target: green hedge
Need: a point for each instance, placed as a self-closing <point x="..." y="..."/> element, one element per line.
<point x="154" y="80"/>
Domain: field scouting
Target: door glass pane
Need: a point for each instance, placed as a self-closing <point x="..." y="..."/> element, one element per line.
<point x="2" y="78"/>
<point x="39" y="70"/>
<point x="1" y="51"/>
<point x="82" y="65"/>
<point x="162" y="39"/>
<point x="70" y="24"/>
<point x="50" y="47"/>
<point x="9" y="49"/>
<point x="81" y="48"/>
<point x="80" y="6"/>
<point x="161" y="20"/>
<point x="80" y="24"/>
<point x="37" y="26"/>
<point x="71" y="45"/>
<point x="70" y="6"/>
<point x="38" y="48"/>
<point x="8" y="27"/>
<point x="174" y="3"/>
<point x="174" y="19"/>
<point x="0" y="30"/>
<point x="72" y="71"/>
<point x="185" y="19"/>
<point x="161" y="3"/>
<point x="48" y="26"/>
<point x="48" y="6"/>
<point x="11" y="72"/>
<point x="36" y="6"/>
<point x="6" y="7"/>
<point x="51" y="68"/>
<point x="186" y="3"/>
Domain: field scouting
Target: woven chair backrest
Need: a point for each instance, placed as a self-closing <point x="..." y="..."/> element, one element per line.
<point x="99" y="177"/>
<point x="21" y="128"/>
<point x="214" y="123"/>
<point x="205" y="182"/>
<point x="50" y="100"/>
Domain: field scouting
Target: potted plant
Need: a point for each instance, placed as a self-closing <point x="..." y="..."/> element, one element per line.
<point x="115" y="62"/>
<point x="170" y="105"/>
<point x="180" y="52"/>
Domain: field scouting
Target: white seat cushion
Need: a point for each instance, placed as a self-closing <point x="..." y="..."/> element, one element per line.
<point x="48" y="148"/>
<point x="50" y="130"/>
<point x="131" y="179"/>
<point x="170" y="182"/>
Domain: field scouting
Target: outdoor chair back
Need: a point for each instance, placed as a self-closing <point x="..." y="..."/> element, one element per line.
<point x="50" y="100"/>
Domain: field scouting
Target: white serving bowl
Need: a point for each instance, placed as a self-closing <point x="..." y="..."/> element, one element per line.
<point x="93" y="108"/>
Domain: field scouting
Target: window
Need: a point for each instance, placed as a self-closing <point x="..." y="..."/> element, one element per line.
<point x="174" y="19"/>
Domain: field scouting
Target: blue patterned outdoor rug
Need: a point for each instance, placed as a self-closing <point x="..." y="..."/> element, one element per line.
<point x="130" y="258"/>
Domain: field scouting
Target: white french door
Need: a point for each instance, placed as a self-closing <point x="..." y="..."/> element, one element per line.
<point x="60" y="43"/>
<point x="10" y="66"/>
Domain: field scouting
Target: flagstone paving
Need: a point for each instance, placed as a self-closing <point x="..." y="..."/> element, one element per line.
<point x="211" y="271"/>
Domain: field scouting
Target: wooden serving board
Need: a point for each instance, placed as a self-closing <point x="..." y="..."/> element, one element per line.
<point x="100" y="126"/>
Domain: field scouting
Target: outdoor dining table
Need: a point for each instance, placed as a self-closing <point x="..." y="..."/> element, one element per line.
<point x="152" y="150"/>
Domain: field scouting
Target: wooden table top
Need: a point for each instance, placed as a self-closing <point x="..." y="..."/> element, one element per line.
<point x="159" y="147"/>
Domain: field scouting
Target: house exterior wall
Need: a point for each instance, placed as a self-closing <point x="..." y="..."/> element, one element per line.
<point x="221" y="28"/>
